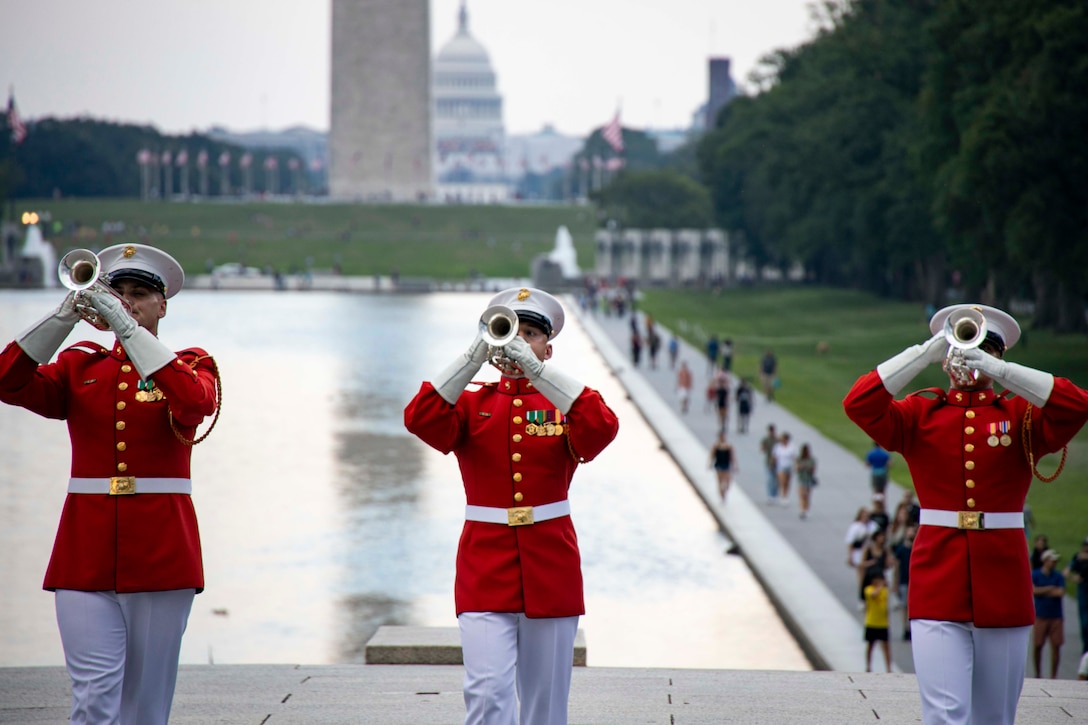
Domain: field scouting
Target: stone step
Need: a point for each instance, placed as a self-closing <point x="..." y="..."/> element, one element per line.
<point x="396" y="645"/>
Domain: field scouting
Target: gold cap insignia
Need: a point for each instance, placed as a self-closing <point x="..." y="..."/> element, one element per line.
<point x="129" y="252"/>
<point x="523" y="294"/>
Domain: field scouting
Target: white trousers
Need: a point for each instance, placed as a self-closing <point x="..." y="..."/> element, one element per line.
<point x="968" y="675"/>
<point x="122" y="653"/>
<point x="510" y="657"/>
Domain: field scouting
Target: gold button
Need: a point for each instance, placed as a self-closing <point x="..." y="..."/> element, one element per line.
<point x="123" y="386"/>
<point x="518" y="496"/>
<point x="122" y="467"/>
<point x="970" y="465"/>
<point x="517" y="437"/>
<point x="120" y="425"/>
<point x="970" y="414"/>
<point x="121" y="405"/>
<point x="517" y="477"/>
<point x="517" y="419"/>
<point x="970" y="503"/>
<point x="970" y="483"/>
<point x="126" y="368"/>
<point x="518" y="402"/>
<point x="969" y="447"/>
<point x="121" y="445"/>
<point x="516" y="457"/>
<point x="969" y="430"/>
<point x="982" y="396"/>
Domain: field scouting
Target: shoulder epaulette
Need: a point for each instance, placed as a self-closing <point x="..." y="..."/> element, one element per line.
<point x="937" y="393"/>
<point x="88" y="347"/>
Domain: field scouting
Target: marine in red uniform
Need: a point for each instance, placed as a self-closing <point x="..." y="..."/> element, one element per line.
<point x="126" y="562"/>
<point x="971" y="457"/>
<point x="518" y="589"/>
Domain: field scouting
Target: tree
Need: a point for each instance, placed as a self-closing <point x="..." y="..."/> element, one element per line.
<point x="656" y="200"/>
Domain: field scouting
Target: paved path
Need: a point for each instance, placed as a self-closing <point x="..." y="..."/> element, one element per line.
<point x="426" y="694"/>
<point x="817" y="542"/>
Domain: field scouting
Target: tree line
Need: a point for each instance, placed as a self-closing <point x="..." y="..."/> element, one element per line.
<point x="911" y="148"/>
<point x="86" y="157"/>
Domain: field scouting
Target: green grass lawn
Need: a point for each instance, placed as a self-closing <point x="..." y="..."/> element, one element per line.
<point x="861" y="331"/>
<point x="443" y="242"/>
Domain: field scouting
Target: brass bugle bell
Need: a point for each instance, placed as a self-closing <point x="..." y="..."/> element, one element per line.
<point x="498" y="325"/>
<point x="964" y="329"/>
<point x="80" y="270"/>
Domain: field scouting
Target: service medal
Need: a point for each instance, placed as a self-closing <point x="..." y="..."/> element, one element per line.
<point x="530" y="429"/>
<point x="1006" y="439"/>
<point x="559" y="429"/>
<point x="141" y="396"/>
<point x="992" y="441"/>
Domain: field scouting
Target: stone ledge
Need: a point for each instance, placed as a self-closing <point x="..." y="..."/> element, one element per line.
<point x="394" y="645"/>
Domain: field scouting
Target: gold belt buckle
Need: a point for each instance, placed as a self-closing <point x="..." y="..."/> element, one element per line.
<point x="122" y="485"/>
<point x="972" y="520"/>
<point x="519" y="516"/>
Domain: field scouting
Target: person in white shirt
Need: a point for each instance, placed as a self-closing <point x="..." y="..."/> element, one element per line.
<point x="784" y="454"/>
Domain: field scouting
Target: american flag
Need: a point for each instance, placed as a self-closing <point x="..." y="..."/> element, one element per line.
<point x="612" y="133"/>
<point x="15" y="123"/>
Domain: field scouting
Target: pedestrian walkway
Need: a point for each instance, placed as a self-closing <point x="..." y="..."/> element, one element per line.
<point x="802" y="563"/>
<point x="431" y="694"/>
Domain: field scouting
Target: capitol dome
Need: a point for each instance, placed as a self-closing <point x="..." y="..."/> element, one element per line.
<point x="468" y="127"/>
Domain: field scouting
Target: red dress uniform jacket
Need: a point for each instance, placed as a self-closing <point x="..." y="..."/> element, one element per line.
<point x="966" y="453"/>
<point x="535" y="569"/>
<point x="134" y="543"/>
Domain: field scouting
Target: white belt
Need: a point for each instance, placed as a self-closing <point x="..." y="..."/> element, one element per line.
<point x="973" y="520"/>
<point x="519" y="515"/>
<point x="126" y="485"/>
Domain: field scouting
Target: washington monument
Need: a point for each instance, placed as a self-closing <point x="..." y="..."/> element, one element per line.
<point x="380" y="144"/>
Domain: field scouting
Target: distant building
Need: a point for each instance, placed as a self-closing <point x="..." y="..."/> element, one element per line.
<point x="380" y="143"/>
<point x="470" y="157"/>
<point x="541" y="152"/>
<point x="722" y="90"/>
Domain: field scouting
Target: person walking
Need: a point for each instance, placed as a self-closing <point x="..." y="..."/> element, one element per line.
<point x="768" y="372"/>
<point x="972" y="453"/>
<point x="766" y="447"/>
<point x="806" y="478"/>
<point x="876" y="622"/>
<point x="1048" y="586"/>
<point x="785" y="455"/>
<point x="518" y="584"/>
<point x="712" y="347"/>
<point x="727" y="354"/>
<point x="721" y="398"/>
<point x="723" y="462"/>
<point x="1077" y="572"/>
<point x="126" y="564"/>
<point x="744" y="405"/>
<point x="683" y="386"/>
<point x="857" y="535"/>
<point x="878" y="461"/>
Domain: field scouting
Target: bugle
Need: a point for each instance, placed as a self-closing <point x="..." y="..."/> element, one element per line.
<point x="80" y="270"/>
<point x="965" y="330"/>
<point x="498" y="327"/>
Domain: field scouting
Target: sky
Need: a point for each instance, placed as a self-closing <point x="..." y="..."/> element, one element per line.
<point x="264" y="64"/>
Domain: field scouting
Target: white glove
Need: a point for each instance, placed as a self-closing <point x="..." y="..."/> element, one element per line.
<point x="42" y="339"/>
<point x="451" y="382"/>
<point x="144" y="349"/>
<point x="896" y="372"/>
<point x="560" y="390"/>
<point x="1030" y="384"/>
